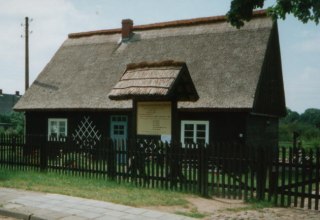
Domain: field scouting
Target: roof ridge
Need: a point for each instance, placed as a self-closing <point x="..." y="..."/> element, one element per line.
<point x="166" y="24"/>
<point x="132" y="66"/>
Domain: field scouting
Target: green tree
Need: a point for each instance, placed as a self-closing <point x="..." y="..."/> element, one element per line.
<point x="306" y="124"/>
<point x="291" y="117"/>
<point x="304" y="10"/>
<point x="16" y="122"/>
<point x="311" y="116"/>
<point x="4" y="119"/>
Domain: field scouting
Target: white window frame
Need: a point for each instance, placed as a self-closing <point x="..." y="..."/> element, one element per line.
<point x="195" y="123"/>
<point x="58" y="120"/>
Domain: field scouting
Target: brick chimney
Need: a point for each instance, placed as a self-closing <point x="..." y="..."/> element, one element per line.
<point x="127" y="26"/>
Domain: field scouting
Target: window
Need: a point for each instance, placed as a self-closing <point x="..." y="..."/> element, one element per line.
<point x="119" y="126"/>
<point x="57" y="128"/>
<point x="195" y="132"/>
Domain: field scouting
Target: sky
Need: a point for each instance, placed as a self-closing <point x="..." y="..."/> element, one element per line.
<point x="52" y="21"/>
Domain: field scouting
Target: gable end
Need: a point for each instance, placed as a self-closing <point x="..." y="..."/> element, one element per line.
<point x="270" y="97"/>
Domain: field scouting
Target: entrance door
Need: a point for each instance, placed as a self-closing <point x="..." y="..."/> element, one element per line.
<point x="119" y="134"/>
<point x="119" y="127"/>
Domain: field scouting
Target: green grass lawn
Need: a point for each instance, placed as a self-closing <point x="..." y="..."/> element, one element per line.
<point x="98" y="189"/>
<point x="307" y="144"/>
<point x="106" y="190"/>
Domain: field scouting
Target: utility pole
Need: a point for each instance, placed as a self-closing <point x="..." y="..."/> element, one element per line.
<point x="27" y="54"/>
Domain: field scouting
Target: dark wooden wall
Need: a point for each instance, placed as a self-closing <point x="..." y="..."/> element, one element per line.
<point x="37" y="122"/>
<point x="269" y="97"/>
<point x="223" y="126"/>
<point x="262" y="131"/>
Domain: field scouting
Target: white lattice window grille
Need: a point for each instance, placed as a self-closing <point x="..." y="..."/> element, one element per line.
<point x="57" y="128"/>
<point x="86" y="136"/>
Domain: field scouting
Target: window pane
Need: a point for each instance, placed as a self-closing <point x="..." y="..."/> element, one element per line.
<point x="188" y="134"/>
<point x="62" y="126"/>
<point x="200" y="141"/>
<point x="54" y="127"/>
<point x="61" y="134"/>
<point x="188" y="140"/>
<point x="201" y="134"/>
<point x="53" y="135"/>
<point x="201" y="127"/>
<point x="53" y="123"/>
<point x="188" y="127"/>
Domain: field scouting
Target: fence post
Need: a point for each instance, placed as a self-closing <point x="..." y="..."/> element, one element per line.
<point x="273" y="174"/>
<point x="261" y="172"/>
<point x="43" y="154"/>
<point x="111" y="145"/>
<point x="317" y="178"/>
<point x="174" y="164"/>
<point x="203" y="171"/>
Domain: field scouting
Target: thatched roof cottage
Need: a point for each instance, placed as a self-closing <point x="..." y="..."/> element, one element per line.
<point x="227" y="81"/>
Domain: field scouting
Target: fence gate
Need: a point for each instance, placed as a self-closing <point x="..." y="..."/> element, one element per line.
<point x="294" y="178"/>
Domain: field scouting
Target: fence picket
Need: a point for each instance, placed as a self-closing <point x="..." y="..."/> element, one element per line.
<point x="296" y="175"/>
<point x="252" y="172"/>
<point x="283" y="174"/>
<point x="310" y="177"/>
<point x="304" y="169"/>
<point x="246" y="177"/>
<point x="289" y="177"/>
<point x="317" y="179"/>
<point x="240" y="153"/>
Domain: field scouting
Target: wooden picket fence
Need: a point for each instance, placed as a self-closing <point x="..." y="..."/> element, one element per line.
<point x="295" y="178"/>
<point x="286" y="176"/>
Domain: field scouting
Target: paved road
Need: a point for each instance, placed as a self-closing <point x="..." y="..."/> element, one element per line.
<point x="35" y="205"/>
<point x="20" y="204"/>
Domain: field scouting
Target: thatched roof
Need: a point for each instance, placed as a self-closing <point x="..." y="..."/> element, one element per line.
<point x="224" y="63"/>
<point x="161" y="80"/>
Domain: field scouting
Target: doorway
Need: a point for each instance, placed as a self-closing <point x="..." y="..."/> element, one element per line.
<point x="119" y="135"/>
